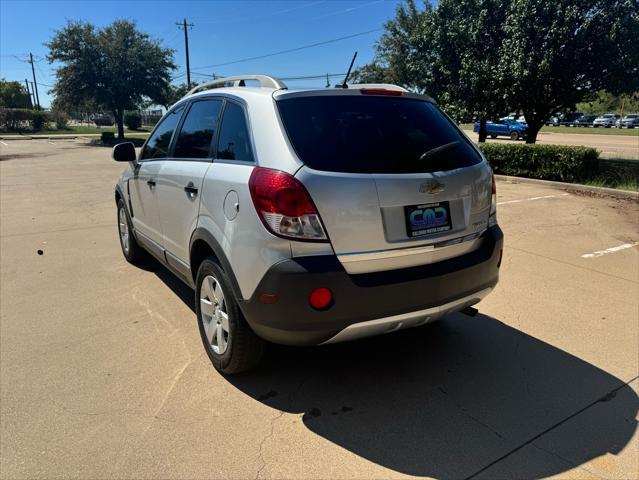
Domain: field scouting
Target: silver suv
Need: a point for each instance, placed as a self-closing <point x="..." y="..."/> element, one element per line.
<point x="306" y="217"/>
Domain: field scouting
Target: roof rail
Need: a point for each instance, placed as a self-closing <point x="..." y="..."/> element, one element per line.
<point x="239" y="81"/>
<point x="384" y="86"/>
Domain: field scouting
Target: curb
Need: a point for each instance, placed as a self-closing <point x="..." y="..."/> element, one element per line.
<point x="49" y="137"/>
<point x="70" y="136"/>
<point x="574" y="187"/>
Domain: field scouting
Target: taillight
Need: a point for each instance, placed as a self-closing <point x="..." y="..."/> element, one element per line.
<point x="284" y="205"/>
<point x="492" y="217"/>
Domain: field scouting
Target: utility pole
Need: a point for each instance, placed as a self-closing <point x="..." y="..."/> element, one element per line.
<point x="35" y="84"/>
<point x="26" y="82"/>
<point x="33" y="94"/>
<point x="186" y="26"/>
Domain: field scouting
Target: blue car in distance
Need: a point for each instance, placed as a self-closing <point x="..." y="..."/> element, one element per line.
<point x="505" y="127"/>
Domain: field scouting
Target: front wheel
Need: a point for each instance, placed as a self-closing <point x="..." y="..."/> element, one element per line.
<point x="228" y="340"/>
<point x="514" y="135"/>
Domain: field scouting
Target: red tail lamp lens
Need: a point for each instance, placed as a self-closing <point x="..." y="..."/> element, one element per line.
<point x="284" y="205"/>
<point x="321" y="298"/>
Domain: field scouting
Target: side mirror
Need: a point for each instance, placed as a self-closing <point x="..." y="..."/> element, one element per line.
<point x="124" y="152"/>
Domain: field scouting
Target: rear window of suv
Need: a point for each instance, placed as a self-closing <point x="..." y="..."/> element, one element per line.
<point x="374" y="134"/>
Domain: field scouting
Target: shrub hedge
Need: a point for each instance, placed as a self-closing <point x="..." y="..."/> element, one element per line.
<point x="40" y="119"/>
<point x="60" y="118"/>
<point x="133" y="120"/>
<point x="15" y="118"/>
<point x="561" y="163"/>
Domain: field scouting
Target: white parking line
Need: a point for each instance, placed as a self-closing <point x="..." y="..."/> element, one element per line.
<point x="52" y="143"/>
<point x="5" y="144"/>
<point x="601" y="253"/>
<point x="532" y="198"/>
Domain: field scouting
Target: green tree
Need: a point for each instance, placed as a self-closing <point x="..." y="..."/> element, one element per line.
<point x="403" y="54"/>
<point x="556" y="53"/>
<point x="605" y="102"/>
<point x="450" y="52"/>
<point x="13" y="95"/>
<point x="467" y="35"/>
<point x="173" y="93"/>
<point x="116" y="67"/>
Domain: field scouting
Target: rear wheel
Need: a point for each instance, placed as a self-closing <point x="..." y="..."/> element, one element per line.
<point x="228" y="340"/>
<point x="131" y="250"/>
<point x="514" y="135"/>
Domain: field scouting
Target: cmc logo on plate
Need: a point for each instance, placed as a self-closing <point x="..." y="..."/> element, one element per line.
<point x="429" y="217"/>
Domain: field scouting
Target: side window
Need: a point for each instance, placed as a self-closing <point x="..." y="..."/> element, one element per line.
<point x="234" y="142"/>
<point x="196" y="134"/>
<point x="158" y="144"/>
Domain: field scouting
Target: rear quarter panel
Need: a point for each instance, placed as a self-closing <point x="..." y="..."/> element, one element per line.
<point x="250" y="249"/>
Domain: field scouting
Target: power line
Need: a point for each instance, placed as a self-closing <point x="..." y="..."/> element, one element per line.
<point x="256" y="17"/>
<point x="346" y="10"/>
<point x="290" y="50"/>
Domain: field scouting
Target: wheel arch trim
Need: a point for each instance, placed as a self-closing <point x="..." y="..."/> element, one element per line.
<point x="203" y="235"/>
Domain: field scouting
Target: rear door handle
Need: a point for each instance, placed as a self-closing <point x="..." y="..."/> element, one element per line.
<point x="150" y="182"/>
<point x="191" y="190"/>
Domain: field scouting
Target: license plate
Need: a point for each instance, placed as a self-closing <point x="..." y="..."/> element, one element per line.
<point x="427" y="218"/>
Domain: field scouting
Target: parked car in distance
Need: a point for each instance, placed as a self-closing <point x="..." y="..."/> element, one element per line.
<point x="567" y="119"/>
<point x="103" y="121"/>
<point x="307" y="217"/>
<point x="553" y="121"/>
<point x="505" y="127"/>
<point x="628" y="121"/>
<point x="584" y="121"/>
<point x="608" y="120"/>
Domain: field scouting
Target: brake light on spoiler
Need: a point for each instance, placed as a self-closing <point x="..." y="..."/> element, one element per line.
<point x="381" y="91"/>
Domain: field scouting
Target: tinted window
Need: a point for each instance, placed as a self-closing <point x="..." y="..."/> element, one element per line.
<point x="373" y="134"/>
<point x="234" y="143"/>
<point x="158" y="144"/>
<point x="196" y="134"/>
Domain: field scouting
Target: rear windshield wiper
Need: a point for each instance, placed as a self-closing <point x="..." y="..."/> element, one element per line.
<point x="437" y="150"/>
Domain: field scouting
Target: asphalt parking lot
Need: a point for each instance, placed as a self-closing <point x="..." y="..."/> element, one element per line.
<point x="609" y="146"/>
<point x="103" y="375"/>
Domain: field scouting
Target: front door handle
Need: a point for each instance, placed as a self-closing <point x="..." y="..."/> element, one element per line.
<point x="150" y="182"/>
<point x="191" y="190"/>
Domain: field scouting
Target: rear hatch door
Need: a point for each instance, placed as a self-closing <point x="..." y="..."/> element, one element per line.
<point x="395" y="182"/>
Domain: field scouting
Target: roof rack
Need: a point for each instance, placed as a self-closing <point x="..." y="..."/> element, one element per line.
<point x="239" y="81"/>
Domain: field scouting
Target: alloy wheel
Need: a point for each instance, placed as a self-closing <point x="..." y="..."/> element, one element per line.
<point x="214" y="314"/>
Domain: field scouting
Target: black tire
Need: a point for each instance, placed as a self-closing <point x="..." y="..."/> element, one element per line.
<point x="133" y="253"/>
<point x="493" y="136"/>
<point x="514" y="135"/>
<point x="244" y="349"/>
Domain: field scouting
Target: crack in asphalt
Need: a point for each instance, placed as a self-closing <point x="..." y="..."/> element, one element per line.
<point x="555" y="454"/>
<point x="269" y="435"/>
<point x="471" y="417"/>
<point x="571" y="264"/>
<point x="604" y="398"/>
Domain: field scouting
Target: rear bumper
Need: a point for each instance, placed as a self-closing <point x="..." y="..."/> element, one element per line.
<point x="368" y="303"/>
